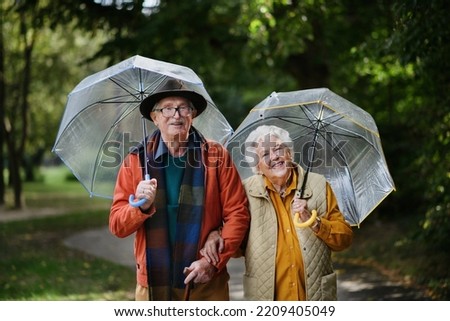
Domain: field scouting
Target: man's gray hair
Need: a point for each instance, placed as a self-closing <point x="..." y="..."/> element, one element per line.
<point x="260" y="135"/>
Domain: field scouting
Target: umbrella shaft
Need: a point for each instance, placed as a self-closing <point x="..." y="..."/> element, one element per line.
<point x="313" y="147"/>
<point x="144" y="133"/>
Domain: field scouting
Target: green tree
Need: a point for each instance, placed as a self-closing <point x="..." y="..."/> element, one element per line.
<point x="422" y="38"/>
<point x="16" y="104"/>
<point x="2" y="108"/>
<point x="42" y="57"/>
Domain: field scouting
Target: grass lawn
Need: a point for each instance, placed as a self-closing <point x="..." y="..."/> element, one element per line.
<point x="35" y="264"/>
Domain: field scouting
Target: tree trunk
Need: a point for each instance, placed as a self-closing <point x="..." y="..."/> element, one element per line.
<point x="14" y="172"/>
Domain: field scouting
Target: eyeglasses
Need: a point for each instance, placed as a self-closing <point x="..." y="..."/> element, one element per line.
<point x="170" y="111"/>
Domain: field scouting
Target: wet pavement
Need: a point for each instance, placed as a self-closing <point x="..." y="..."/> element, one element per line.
<point x="355" y="282"/>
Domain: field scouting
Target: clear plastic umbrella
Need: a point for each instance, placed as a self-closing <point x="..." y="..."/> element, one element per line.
<point x="332" y="137"/>
<point x="101" y="121"/>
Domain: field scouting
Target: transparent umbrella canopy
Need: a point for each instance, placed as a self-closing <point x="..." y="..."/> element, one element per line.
<point x="332" y="137"/>
<point x="101" y="121"/>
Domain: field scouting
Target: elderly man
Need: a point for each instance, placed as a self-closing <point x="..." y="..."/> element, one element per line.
<point x="194" y="189"/>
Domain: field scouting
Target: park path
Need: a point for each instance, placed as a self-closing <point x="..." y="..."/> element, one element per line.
<point x="355" y="282"/>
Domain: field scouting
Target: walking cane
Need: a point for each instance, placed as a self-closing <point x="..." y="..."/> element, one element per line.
<point x="187" y="289"/>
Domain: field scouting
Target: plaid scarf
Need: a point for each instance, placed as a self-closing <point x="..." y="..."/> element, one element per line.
<point x="165" y="264"/>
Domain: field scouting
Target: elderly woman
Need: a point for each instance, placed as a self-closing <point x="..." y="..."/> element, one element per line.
<point x="282" y="261"/>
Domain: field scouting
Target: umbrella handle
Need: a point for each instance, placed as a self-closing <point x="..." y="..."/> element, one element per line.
<point x="311" y="220"/>
<point x="140" y="202"/>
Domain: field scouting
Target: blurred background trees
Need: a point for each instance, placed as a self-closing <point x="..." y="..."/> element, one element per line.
<point x="389" y="57"/>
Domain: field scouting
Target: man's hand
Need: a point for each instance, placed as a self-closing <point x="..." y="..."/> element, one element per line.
<point x="146" y="189"/>
<point x="213" y="246"/>
<point x="199" y="271"/>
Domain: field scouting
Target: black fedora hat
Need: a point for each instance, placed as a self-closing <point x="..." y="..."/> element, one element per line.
<point x="172" y="88"/>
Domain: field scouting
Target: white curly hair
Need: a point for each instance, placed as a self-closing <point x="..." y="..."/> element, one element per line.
<point x="258" y="136"/>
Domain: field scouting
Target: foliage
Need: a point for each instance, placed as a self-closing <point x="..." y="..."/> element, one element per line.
<point x="37" y="79"/>
<point x="403" y="78"/>
<point x="421" y="39"/>
<point x="388" y="57"/>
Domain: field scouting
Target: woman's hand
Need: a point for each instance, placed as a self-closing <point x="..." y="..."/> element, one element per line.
<point x="301" y="207"/>
<point x="303" y="217"/>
